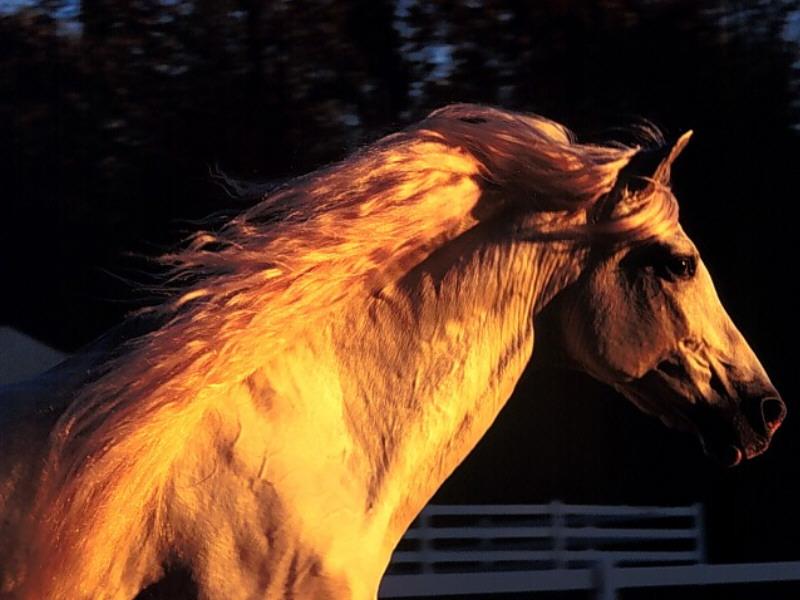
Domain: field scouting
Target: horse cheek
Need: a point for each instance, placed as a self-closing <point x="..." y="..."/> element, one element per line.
<point x="629" y="328"/>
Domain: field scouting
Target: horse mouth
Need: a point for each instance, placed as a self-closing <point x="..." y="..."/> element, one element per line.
<point x="730" y="432"/>
<point x="730" y="446"/>
<point x="731" y="435"/>
<point x="727" y="455"/>
<point x="731" y="454"/>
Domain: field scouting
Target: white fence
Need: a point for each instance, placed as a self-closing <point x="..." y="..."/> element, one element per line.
<point x="464" y="550"/>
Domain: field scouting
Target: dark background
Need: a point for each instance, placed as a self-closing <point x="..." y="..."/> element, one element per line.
<point x="114" y="114"/>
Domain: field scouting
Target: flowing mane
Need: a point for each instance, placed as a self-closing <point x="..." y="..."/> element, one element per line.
<point x="283" y="266"/>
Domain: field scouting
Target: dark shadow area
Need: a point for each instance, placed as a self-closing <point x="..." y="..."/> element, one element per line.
<point x="177" y="584"/>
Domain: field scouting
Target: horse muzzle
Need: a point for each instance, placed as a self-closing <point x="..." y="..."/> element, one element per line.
<point x="744" y="434"/>
<point x="735" y="421"/>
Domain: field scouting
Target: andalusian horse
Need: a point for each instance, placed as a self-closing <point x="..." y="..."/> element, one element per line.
<point x="337" y="349"/>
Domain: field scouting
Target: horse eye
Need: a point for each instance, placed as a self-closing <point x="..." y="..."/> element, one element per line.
<point x="679" y="267"/>
<point x="659" y="260"/>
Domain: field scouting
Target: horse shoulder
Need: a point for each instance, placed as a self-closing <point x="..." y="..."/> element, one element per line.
<point x="264" y="502"/>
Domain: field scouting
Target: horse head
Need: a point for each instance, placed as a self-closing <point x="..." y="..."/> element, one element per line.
<point x="644" y="317"/>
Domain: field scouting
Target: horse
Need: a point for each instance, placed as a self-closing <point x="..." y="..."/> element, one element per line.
<point x="325" y="359"/>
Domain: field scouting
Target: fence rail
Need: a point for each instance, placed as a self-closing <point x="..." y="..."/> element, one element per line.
<point x="464" y="550"/>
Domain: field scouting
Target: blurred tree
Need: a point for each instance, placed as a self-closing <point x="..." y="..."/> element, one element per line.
<point x="113" y="113"/>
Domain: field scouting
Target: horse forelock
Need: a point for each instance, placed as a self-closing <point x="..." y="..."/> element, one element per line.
<point x="284" y="265"/>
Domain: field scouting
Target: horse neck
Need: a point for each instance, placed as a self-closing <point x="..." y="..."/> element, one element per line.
<point x="426" y="369"/>
<point x="337" y="442"/>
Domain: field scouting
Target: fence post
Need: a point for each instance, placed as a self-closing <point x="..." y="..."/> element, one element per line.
<point x="424" y="542"/>
<point x="700" y="533"/>
<point x="604" y="585"/>
<point x="557" y="524"/>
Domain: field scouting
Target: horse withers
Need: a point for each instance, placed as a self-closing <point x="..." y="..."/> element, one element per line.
<point x="339" y="348"/>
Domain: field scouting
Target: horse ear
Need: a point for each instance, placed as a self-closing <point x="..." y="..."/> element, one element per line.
<point x="645" y="170"/>
<point x="651" y="165"/>
<point x="662" y="173"/>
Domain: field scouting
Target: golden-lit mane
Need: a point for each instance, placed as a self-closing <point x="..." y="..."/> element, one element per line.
<point x="303" y="251"/>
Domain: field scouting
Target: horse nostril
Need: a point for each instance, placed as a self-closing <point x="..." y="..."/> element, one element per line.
<point x="764" y="414"/>
<point x="773" y="411"/>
